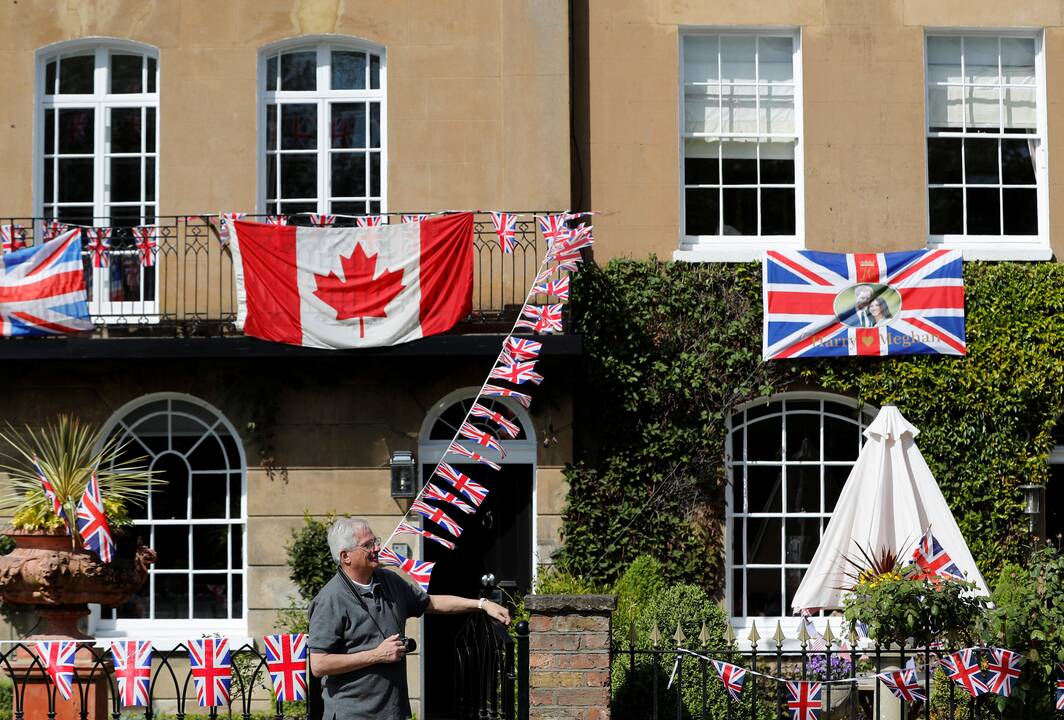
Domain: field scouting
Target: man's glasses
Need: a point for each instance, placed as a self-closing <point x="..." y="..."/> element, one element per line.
<point x="370" y="545"/>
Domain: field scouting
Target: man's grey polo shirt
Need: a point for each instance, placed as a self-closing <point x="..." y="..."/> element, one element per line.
<point x="339" y="624"/>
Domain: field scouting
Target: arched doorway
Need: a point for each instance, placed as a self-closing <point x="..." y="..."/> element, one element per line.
<point x="498" y="539"/>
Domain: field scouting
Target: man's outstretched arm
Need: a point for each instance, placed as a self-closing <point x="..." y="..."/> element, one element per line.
<point x="452" y="604"/>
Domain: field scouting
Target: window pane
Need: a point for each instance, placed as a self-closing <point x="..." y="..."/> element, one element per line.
<point x="49" y="131"/>
<point x="76" y="135"/>
<point x="149" y="130"/>
<point x="946" y="209"/>
<point x="170" y="501"/>
<point x="210" y="544"/>
<point x="299" y="70"/>
<point x="981" y="109"/>
<point x="737" y="593"/>
<point x="981" y="161"/>
<point x="776" y="163"/>
<point x="153" y="71"/>
<point x="299" y="176"/>
<point x="835" y="477"/>
<point x="777" y="211"/>
<point x="299" y="127"/>
<point x="737" y="57"/>
<point x="841" y="439"/>
<point x="983" y="211"/>
<point x="290" y="208"/>
<point x="803" y="538"/>
<point x="738" y="546"/>
<point x="375" y="179"/>
<point x="271" y="177"/>
<point x="149" y="179"/>
<point x="981" y="59"/>
<point x="738" y="112"/>
<point x="127" y="74"/>
<point x="774" y="56"/>
<point x="271" y="127"/>
<point x="125" y="130"/>
<point x="702" y="109"/>
<point x="763" y="593"/>
<point x="271" y="73"/>
<point x="701" y="162"/>
<point x="763" y="537"/>
<point x="803" y="489"/>
<point x="348" y="70"/>
<point x="1017" y="165"/>
<point x="944" y="160"/>
<point x="348" y="208"/>
<point x="76" y="75"/>
<point x="1020" y="108"/>
<point x="49" y="78"/>
<point x="702" y="211"/>
<point x="739" y="164"/>
<point x="740" y="212"/>
<point x="348" y="175"/>
<point x="208" y="492"/>
<point x="1017" y="60"/>
<point x="348" y="125"/>
<point x="125" y="179"/>
<point x="75" y="180"/>
<point x="944" y="108"/>
<point x="944" y="59"/>
<point x="209" y="596"/>
<point x="238" y="597"/>
<point x="776" y="109"/>
<point x="764" y="488"/>
<point x="700" y="59"/>
<point x="1021" y="211"/>
<point x="171" y="544"/>
<point x="765" y="439"/>
<point x="374" y="72"/>
<point x="171" y="596"/>
<point x="234" y="497"/>
<point x="49" y="180"/>
<point x="375" y="125"/>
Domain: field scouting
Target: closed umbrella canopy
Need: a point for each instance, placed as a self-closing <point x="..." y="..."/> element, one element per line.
<point x="888" y="502"/>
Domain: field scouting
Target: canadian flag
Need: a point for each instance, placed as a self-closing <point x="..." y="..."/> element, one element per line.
<point x="331" y="287"/>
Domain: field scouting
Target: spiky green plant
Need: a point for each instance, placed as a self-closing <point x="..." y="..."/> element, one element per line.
<point x="65" y="451"/>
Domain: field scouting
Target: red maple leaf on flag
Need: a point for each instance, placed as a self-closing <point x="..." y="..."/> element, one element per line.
<point x="359" y="294"/>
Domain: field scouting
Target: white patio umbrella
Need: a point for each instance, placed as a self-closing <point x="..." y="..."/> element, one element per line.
<point x="889" y="501"/>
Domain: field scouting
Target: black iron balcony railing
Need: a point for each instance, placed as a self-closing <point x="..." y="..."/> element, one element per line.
<point x="181" y="283"/>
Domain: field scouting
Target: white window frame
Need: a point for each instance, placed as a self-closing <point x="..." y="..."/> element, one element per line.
<point x="102" y="101"/>
<point x="322" y="44"/>
<point x="167" y="631"/>
<point x="743" y="248"/>
<point x="741" y="624"/>
<point x="996" y="247"/>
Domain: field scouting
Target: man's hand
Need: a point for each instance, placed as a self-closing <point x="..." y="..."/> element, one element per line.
<point x="391" y="649"/>
<point x="497" y="612"/>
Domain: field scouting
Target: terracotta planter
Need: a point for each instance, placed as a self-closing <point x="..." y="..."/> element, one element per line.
<point x="59" y="581"/>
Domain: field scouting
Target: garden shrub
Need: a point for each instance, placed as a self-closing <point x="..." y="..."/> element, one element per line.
<point x="310" y="565"/>
<point x="641" y="582"/>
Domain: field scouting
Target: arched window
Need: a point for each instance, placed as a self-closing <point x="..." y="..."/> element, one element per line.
<point x="195" y="521"/>
<point x="322" y="128"/>
<point x="443" y="420"/>
<point x="789" y="458"/>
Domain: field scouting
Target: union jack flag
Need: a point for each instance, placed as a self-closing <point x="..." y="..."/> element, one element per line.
<point x="903" y="684"/>
<point x="12" y="238"/>
<point x="462" y="483"/>
<point x="933" y="560"/>
<point x="434" y="493"/>
<point x="286" y="661"/>
<point x="408" y="529"/>
<point x="321" y="220"/>
<point x="517" y="372"/>
<point x="506" y="228"/>
<point x="579" y="239"/>
<point x="1002" y="672"/>
<point x="92" y="523"/>
<point x="57" y="656"/>
<point x="541" y="318"/>
<point x="557" y="288"/>
<point x="568" y="260"/>
<point x="803" y="700"/>
<point x="414" y="218"/>
<point x="482" y="437"/>
<point x="1060" y="687"/>
<point x="420" y="571"/>
<point x="732" y="676"/>
<point x="99" y="245"/>
<point x="962" y="667"/>
<point x="510" y="428"/>
<point x="554" y="228"/>
<point x="212" y="670"/>
<point x="828" y="304"/>
<point x="53" y="229"/>
<point x="437" y="516"/>
<point x="522" y="348"/>
<point x="132" y="660"/>
<point x="496" y="391"/>
<point x="49" y="492"/>
<point x="223" y="226"/>
<point x="369" y="220"/>
<point x="456" y="448"/>
<point x="144" y="240"/>
<point x="276" y="219"/>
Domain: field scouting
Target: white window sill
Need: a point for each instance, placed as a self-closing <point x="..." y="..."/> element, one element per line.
<point x="729" y="249"/>
<point x="166" y="635"/>
<point x="993" y="247"/>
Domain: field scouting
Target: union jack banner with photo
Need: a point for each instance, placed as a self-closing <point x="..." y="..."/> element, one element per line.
<point x="420" y="571"/>
<point x="509" y="428"/>
<point x="57" y="656"/>
<point x="99" y="246"/>
<point x="819" y="304"/>
<point x="322" y="220"/>
<point x="369" y="220"/>
<point x="92" y="522"/>
<point x="434" y="493"/>
<point x="517" y="373"/>
<point x="12" y="238"/>
<point x="541" y="318"/>
<point x="405" y="528"/>
<point x="933" y="560"/>
<point x="903" y="684"/>
<point x="557" y="288"/>
<point x="286" y="661"/>
<point x="212" y="670"/>
<point x="496" y="391"/>
<point x="962" y="667"/>
<point x="132" y="659"/>
<point x="456" y="448"/>
<point x="413" y="218"/>
<point x="462" y="483"/>
<point x="437" y="516"/>
<point x="732" y="676"/>
<point x="1002" y="671"/>
<point x="506" y="229"/>
<point x="144" y="241"/>
<point x="223" y="225"/>
<point x="521" y="348"/>
<point x="482" y="437"/>
<point x="803" y="700"/>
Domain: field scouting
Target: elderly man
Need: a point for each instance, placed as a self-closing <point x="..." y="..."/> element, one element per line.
<point x="356" y="623"/>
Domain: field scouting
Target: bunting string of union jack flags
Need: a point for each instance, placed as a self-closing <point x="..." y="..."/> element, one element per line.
<point x="480" y="435"/>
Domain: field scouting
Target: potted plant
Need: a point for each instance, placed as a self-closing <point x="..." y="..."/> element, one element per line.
<point x="49" y="568"/>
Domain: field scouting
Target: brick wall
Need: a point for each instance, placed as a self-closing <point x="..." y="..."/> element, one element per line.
<point x="569" y="656"/>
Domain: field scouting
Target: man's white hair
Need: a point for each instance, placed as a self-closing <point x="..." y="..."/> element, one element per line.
<point x="343" y="535"/>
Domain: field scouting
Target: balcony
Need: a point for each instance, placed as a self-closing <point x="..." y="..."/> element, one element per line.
<point x="188" y="290"/>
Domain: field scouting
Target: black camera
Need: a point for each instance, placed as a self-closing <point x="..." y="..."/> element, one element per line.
<point x="409" y="644"/>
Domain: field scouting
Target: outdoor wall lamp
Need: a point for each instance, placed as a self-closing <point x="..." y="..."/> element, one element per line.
<point x="404" y="479"/>
<point x="1034" y="507"/>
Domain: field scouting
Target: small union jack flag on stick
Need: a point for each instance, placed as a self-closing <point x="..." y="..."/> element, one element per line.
<point x="53" y="229"/>
<point x="286" y="661"/>
<point x="962" y="667"/>
<point x="57" y="656"/>
<point x="414" y="218"/>
<point x="482" y="437"/>
<point x="457" y="448"/>
<point x="99" y="246"/>
<point x="437" y="516"/>
<point x="369" y="220"/>
<point x="434" y="493"/>
<point x="903" y="684"/>
<point x="92" y="522"/>
<point x="320" y="220"/>
<point x="579" y="239"/>
<point x="276" y="219"/>
<point x="554" y="228"/>
<point x="496" y="391"/>
<point x="144" y="240"/>
<point x="803" y="700"/>
<point x="506" y="228"/>
<point x="12" y="238"/>
<point x="223" y="226"/>
<point x="541" y="318"/>
<point x="407" y="529"/>
<point x="462" y="483"/>
<point x="1003" y="671"/>
<point x="420" y="571"/>
<point x="212" y="670"/>
<point x="132" y="660"/>
<point x="521" y="348"/>
<point x="569" y="260"/>
<point x="557" y="288"/>
<point x="508" y="427"/>
<point x="933" y="561"/>
<point x="49" y="492"/>
<point x="732" y="676"/>
<point x="517" y="373"/>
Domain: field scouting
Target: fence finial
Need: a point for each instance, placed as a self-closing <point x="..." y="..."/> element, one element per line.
<point x="655" y="636"/>
<point x="754" y="634"/>
<point x="729" y="634"/>
<point x="778" y="636"/>
<point x="828" y="635"/>
<point x="803" y="634"/>
<point x="632" y="634"/>
<point x="678" y="636"/>
<point x="703" y="635"/>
